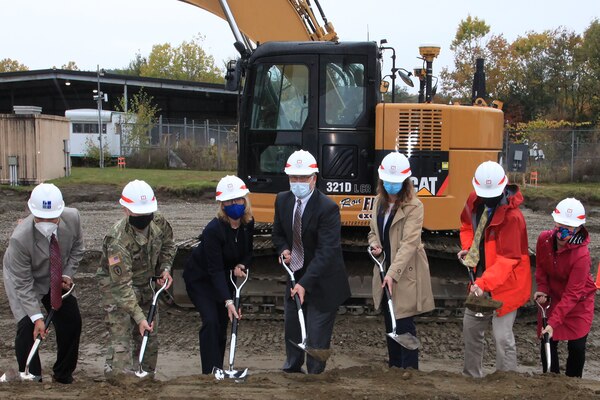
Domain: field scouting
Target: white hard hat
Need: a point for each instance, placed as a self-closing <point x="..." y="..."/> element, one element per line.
<point x="138" y="197"/>
<point x="46" y="201"/>
<point x="489" y="180"/>
<point x="301" y="162"/>
<point x="569" y="212"/>
<point x="231" y="187"/>
<point x="394" y="168"/>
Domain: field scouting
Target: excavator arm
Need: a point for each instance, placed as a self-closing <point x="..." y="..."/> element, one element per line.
<point x="272" y="20"/>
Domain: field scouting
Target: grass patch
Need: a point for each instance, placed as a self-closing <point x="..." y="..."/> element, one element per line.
<point x="587" y="193"/>
<point x="174" y="181"/>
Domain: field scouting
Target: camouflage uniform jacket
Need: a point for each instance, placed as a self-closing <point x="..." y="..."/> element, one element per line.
<point x="129" y="260"/>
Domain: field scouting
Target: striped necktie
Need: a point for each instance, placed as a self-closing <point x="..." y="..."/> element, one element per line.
<point x="472" y="257"/>
<point x="297" y="247"/>
<point x="55" y="274"/>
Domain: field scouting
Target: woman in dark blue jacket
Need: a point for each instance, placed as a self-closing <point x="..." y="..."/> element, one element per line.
<point x="226" y="245"/>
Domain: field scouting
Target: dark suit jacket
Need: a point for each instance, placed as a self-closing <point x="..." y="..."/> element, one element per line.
<point x="324" y="274"/>
<point x="219" y="251"/>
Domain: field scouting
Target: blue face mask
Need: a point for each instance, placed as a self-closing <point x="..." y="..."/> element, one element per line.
<point x="562" y="233"/>
<point x="392" y="187"/>
<point x="300" y="189"/>
<point x="235" y="211"/>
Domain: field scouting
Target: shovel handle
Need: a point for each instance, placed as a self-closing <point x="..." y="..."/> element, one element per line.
<point x="234" y="323"/>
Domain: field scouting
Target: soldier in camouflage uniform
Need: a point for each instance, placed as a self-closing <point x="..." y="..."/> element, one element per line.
<point x="137" y="248"/>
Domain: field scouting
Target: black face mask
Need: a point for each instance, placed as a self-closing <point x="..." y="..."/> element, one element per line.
<point x="492" y="202"/>
<point x="141" y="221"/>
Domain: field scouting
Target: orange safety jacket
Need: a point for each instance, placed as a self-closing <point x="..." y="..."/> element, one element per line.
<point x="507" y="274"/>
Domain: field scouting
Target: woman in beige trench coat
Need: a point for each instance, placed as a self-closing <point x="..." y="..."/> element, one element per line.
<point x="396" y="230"/>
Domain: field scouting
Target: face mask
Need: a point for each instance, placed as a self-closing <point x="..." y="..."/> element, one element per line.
<point x="492" y="202"/>
<point x="392" y="187"/>
<point x="235" y="211"/>
<point x="300" y="189"/>
<point x="562" y="233"/>
<point x="141" y="221"/>
<point x="46" y="228"/>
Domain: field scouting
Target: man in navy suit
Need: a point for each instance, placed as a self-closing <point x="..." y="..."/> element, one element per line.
<point x="315" y="255"/>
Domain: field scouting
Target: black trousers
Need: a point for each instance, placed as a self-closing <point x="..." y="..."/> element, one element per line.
<point x="67" y="326"/>
<point x="398" y="355"/>
<point x="575" y="358"/>
<point x="319" y="328"/>
<point x="212" y="336"/>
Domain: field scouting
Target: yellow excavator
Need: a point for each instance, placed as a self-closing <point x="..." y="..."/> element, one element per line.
<point x="302" y="88"/>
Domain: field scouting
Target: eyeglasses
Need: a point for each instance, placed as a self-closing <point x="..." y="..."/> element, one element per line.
<point x="300" y="178"/>
<point x="239" y="200"/>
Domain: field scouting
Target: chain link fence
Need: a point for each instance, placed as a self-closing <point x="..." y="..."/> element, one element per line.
<point x="206" y="145"/>
<point x="560" y="155"/>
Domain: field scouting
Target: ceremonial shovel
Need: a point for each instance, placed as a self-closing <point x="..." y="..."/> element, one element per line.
<point x="140" y="373"/>
<point x="232" y="373"/>
<point x="406" y="340"/>
<point x="319" y="354"/>
<point x="12" y="375"/>
<point x="546" y="337"/>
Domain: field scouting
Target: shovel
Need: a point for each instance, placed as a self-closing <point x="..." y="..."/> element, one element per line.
<point x="479" y="304"/>
<point x="319" y="354"/>
<point x="546" y="337"/>
<point x="12" y="375"/>
<point x="406" y="340"/>
<point x="232" y="373"/>
<point x="140" y="373"/>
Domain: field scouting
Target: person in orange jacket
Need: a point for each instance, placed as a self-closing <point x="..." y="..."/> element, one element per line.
<point x="493" y="238"/>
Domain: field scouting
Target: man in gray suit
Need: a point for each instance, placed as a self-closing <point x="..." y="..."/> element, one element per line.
<point x="42" y="256"/>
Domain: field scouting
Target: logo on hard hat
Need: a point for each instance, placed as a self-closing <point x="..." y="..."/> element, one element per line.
<point x="230" y="187"/>
<point x="299" y="163"/>
<point x="47" y="204"/>
<point x="143" y="197"/>
<point x="569" y="212"/>
<point x="488" y="181"/>
<point x="393" y="170"/>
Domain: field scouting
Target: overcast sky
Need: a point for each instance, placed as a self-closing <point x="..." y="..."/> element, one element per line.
<point x="46" y="33"/>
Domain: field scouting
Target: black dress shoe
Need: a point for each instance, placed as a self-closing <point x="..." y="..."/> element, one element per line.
<point x="65" y="381"/>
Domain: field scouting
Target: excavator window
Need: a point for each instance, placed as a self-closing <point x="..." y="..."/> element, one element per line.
<point x="280" y="97"/>
<point x="345" y="93"/>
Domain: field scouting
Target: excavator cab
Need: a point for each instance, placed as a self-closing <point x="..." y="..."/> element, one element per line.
<point x="316" y="96"/>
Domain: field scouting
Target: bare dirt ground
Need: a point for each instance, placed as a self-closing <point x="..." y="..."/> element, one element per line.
<point x="356" y="369"/>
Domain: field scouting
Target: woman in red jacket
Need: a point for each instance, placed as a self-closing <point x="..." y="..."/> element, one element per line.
<point x="563" y="278"/>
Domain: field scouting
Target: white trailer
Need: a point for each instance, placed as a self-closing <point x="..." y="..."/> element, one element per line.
<point x="84" y="130"/>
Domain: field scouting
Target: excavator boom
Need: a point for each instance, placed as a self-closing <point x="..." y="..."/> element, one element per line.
<point x="273" y="20"/>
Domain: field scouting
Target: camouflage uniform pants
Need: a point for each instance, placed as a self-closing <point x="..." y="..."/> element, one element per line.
<point x="124" y="342"/>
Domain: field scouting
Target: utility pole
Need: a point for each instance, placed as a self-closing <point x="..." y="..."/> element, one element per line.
<point x="99" y="96"/>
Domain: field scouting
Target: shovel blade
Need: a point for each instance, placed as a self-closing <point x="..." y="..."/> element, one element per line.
<point x="10" y="376"/>
<point x="221" y="374"/>
<point x="548" y="356"/>
<point x="237" y="375"/>
<point x="321" y="355"/>
<point x="26" y="376"/>
<point x="406" y="340"/>
<point x="140" y="373"/>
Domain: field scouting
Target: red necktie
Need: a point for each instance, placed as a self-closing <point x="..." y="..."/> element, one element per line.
<point x="297" y="247"/>
<point x="55" y="274"/>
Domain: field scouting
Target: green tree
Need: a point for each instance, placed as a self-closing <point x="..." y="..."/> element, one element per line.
<point x="468" y="45"/>
<point x="589" y="84"/>
<point x="9" y="65"/>
<point x="188" y="61"/>
<point x="70" y="66"/>
<point x="137" y="121"/>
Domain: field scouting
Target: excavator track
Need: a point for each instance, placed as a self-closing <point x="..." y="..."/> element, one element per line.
<point x="263" y="294"/>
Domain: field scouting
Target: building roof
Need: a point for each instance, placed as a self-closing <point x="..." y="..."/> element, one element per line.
<point x="57" y="90"/>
